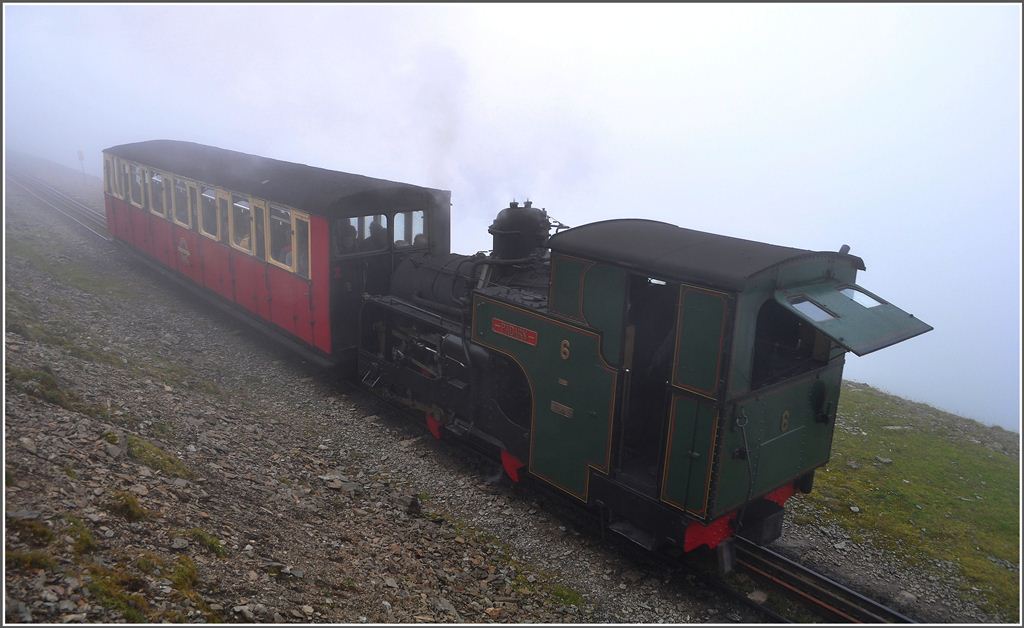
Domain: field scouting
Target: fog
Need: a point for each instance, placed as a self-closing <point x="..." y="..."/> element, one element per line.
<point x="894" y="129"/>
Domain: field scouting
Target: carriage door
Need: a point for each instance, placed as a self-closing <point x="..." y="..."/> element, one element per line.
<point x="650" y="343"/>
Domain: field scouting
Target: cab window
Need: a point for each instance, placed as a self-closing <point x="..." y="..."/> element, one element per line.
<point x="409" y="229"/>
<point x="208" y="225"/>
<point x="345" y="236"/>
<point x="241" y="223"/>
<point x="182" y="210"/>
<point x="373" y="233"/>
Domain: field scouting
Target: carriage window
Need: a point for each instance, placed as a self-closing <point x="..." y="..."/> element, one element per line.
<point x="409" y="229"/>
<point x="302" y="247"/>
<point x="241" y="222"/>
<point x="107" y="174"/>
<point x="123" y="178"/>
<point x="373" y="233"/>
<point x="208" y="213"/>
<point x="259" y="211"/>
<point x="135" y="182"/>
<point x="156" y="193"/>
<point x="193" y="203"/>
<point x="280" y="225"/>
<point x="182" y="213"/>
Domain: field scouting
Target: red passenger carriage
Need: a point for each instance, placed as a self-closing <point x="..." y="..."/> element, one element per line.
<point x="290" y="246"/>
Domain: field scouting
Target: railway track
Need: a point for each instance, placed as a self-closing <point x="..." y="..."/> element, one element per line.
<point x="73" y="209"/>
<point x="835" y="601"/>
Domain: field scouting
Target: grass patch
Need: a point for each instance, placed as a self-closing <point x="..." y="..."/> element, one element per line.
<point x="119" y="590"/>
<point x="150" y="563"/>
<point x="155" y="458"/>
<point x="42" y="384"/>
<point x="565" y="594"/>
<point x="39" y="253"/>
<point x="31" y="531"/>
<point x="207" y="540"/>
<point x="83" y="540"/>
<point x="31" y="559"/>
<point x="941" y="498"/>
<point x="25" y="319"/>
<point x="126" y="505"/>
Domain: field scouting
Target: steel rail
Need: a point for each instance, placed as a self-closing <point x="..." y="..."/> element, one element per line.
<point x="52" y="189"/>
<point x="835" y="600"/>
<point x="94" y="218"/>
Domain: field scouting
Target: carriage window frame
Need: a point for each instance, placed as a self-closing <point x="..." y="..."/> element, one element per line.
<point x="108" y="175"/>
<point x="231" y="223"/>
<point x="135" y="172"/>
<point x="202" y="211"/>
<point x="163" y="192"/>
<point x="122" y="180"/>
<point x="295" y="216"/>
<point x="188" y="204"/>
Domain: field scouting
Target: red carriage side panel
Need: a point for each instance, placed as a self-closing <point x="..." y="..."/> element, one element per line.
<point x="216" y="273"/>
<point x="319" y="264"/>
<point x="187" y="258"/>
<point x="248" y="278"/>
<point x="303" y="327"/>
<point x="162" y="242"/>
<point x="140" y="229"/>
<point x="282" y="301"/>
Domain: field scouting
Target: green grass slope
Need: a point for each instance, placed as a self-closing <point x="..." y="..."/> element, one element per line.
<point x="930" y="486"/>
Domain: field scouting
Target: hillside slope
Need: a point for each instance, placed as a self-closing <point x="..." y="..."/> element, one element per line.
<point x="936" y="489"/>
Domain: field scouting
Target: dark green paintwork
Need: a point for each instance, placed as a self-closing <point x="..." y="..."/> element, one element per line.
<point x="776" y="455"/>
<point x="562" y="448"/>
<point x="566" y="274"/>
<point x="690" y="448"/>
<point x="699" y="337"/>
<point x="604" y="296"/>
<point x="858" y="328"/>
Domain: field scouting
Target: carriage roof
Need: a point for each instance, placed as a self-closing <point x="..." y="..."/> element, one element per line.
<point x="315" y="190"/>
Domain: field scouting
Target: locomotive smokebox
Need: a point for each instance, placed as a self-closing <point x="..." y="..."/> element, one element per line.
<point x="519" y="231"/>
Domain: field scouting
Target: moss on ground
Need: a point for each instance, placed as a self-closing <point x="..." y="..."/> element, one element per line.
<point x="30" y="559"/>
<point x="31" y="531"/>
<point x="926" y="491"/>
<point x="207" y="540"/>
<point x="42" y="384"/>
<point x="83" y="541"/>
<point x="155" y="458"/>
<point x="126" y="505"/>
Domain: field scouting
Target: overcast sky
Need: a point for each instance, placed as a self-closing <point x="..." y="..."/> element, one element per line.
<point x="894" y="129"/>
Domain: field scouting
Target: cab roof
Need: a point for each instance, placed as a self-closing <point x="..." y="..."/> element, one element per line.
<point x="660" y="248"/>
<point x="308" y="188"/>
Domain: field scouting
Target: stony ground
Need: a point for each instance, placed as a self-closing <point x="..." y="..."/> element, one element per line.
<point x="163" y="464"/>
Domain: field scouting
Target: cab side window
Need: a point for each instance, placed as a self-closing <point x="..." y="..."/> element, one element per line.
<point x="208" y="224"/>
<point x="374" y="233"/>
<point x="345" y="236"/>
<point x="410" y="229"/>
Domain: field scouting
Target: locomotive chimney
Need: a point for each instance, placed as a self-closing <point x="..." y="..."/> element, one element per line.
<point x="519" y="231"/>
